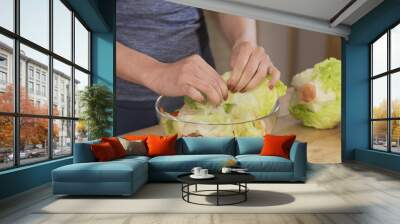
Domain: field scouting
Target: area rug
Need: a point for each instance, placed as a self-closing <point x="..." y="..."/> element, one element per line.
<point x="166" y="198"/>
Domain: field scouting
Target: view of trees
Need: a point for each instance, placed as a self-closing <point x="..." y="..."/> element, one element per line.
<point x="34" y="131"/>
<point x="380" y="127"/>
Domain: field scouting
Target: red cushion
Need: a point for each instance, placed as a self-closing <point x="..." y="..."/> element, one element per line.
<point x="103" y="152"/>
<point x="161" y="145"/>
<point x="277" y="145"/>
<point x="116" y="145"/>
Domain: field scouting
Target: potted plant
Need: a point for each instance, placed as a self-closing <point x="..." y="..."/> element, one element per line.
<point x="96" y="102"/>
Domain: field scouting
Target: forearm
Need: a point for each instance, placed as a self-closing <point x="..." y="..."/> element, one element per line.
<point x="134" y="66"/>
<point x="237" y="28"/>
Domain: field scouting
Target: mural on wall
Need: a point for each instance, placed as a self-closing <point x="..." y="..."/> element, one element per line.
<point x="305" y="100"/>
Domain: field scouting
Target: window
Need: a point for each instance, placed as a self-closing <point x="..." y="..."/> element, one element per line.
<point x="38" y="89"/>
<point x="3" y="78"/>
<point x="34" y="21"/>
<point x="30" y="72"/>
<point x="30" y="87"/>
<point x="40" y="124"/>
<point x="81" y="45"/>
<point x="3" y="71"/>
<point x="44" y="91"/>
<point x="385" y="91"/>
<point x="6" y="73"/>
<point x="7" y="14"/>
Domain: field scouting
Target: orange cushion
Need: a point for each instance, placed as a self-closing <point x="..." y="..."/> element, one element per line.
<point x="116" y="145"/>
<point x="277" y="145"/>
<point x="135" y="137"/>
<point x="103" y="152"/>
<point x="161" y="145"/>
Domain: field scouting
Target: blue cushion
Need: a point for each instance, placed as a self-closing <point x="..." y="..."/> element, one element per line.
<point x="249" y="145"/>
<point x="257" y="163"/>
<point x="185" y="163"/>
<point x="83" y="153"/>
<point x="111" y="171"/>
<point x="206" y="145"/>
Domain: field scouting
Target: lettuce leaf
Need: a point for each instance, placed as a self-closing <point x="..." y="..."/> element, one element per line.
<point x="317" y="97"/>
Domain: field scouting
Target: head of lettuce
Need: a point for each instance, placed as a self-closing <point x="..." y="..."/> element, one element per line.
<point x="317" y="97"/>
<point x="205" y="119"/>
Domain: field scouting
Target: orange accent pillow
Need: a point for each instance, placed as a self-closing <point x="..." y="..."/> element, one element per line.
<point x="161" y="145"/>
<point x="135" y="137"/>
<point x="116" y="145"/>
<point x="103" y="151"/>
<point x="277" y="145"/>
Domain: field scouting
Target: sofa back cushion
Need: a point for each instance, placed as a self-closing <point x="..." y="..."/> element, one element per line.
<point x="83" y="152"/>
<point x="116" y="145"/>
<point x="249" y="145"/>
<point x="104" y="151"/>
<point x="206" y="145"/>
<point x="161" y="145"/>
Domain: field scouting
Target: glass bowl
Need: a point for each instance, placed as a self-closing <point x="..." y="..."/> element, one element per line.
<point x="166" y="108"/>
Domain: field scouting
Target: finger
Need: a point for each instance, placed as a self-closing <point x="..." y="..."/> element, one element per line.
<point x="193" y="93"/>
<point x="214" y="78"/>
<point x="203" y="74"/>
<point x="275" y="75"/>
<point x="211" y="93"/>
<point x="250" y="69"/>
<point x="238" y="64"/>
<point x="259" y="76"/>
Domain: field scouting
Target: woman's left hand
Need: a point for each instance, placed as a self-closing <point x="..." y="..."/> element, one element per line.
<point x="250" y="64"/>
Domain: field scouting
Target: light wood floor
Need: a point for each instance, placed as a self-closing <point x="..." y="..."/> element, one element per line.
<point x="377" y="188"/>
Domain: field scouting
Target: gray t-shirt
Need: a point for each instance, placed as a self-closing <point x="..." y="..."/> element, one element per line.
<point x="163" y="30"/>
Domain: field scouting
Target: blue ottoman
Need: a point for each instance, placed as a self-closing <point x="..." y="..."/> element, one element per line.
<point x="118" y="177"/>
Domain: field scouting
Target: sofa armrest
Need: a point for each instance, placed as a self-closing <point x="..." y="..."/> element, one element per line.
<point x="83" y="152"/>
<point x="298" y="155"/>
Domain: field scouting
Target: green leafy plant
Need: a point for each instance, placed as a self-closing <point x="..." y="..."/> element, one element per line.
<point x="96" y="102"/>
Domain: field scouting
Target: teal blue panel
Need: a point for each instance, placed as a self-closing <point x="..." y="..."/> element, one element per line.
<point x="24" y="178"/>
<point x="355" y="58"/>
<point x="385" y="160"/>
<point x="89" y="11"/>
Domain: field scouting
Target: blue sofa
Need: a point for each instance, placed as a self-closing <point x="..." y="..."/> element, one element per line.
<point x="125" y="176"/>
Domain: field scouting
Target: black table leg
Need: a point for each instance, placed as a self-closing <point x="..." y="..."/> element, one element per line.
<point x="217" y="194"/>
<point x="245" y="193"/>
<point x="195" y="188"/>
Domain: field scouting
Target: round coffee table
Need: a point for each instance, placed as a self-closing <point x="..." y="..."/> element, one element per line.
<point x="238" y="179"/>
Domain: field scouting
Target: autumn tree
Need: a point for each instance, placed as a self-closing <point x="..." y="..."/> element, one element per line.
<point x="380" y="127"/>
<point x="33" y="131"/>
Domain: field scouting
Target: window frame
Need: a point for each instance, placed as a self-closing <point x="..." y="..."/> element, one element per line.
<point x="16" y="115"/>
<point x="388" y="74"/>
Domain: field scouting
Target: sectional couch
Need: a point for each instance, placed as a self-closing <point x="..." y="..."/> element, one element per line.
<point x="125" y="176"/>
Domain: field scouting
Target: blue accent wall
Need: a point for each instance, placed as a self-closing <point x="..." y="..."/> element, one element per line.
<point x="103" y="52"/>
<point x="24" y="178"/>
<point x="99" y="16"/>
<point x="355" y="56"/>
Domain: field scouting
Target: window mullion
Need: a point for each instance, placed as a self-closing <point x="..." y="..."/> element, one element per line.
<point x="50" y="81"/>
<point x="389" y="101"/>
<point x="16" y="84"/>
<point x="73" y="83"/>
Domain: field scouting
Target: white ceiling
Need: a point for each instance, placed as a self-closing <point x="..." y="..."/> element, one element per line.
<point x="321" y="9"/>
<point x="314" y="15"/>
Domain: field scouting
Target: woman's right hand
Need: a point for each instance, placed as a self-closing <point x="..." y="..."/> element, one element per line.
<point x="190" y="76"/>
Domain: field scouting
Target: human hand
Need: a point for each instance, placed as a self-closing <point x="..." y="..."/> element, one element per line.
<point x="250" y="64"/>
<point x="190" y="76"/>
